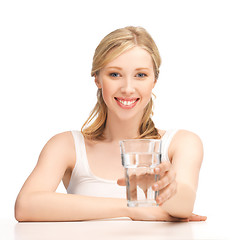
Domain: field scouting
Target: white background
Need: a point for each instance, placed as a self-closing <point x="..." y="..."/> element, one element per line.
<point x="46" y="50"/>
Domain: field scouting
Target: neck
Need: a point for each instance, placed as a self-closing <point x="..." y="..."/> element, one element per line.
<point x="117" y="129"/>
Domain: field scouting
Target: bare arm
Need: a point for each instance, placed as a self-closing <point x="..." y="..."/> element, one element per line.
<point x="38" y="201"/>
<point x="179" y="179"/>
<point x="187" y="156"/>
<point x="51" y="206"/>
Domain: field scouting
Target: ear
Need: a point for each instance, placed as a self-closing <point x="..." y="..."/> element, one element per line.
<point x="155" y="81"/>
<point x="97" y="81"/>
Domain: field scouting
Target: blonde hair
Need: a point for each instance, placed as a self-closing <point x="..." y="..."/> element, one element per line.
<point x="112" y="46"/>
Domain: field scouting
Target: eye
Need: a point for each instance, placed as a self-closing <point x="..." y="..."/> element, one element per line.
<point x="114" y="74"/>
<point x="141" y="75"/>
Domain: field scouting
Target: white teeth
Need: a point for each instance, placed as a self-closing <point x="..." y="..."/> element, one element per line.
<point x="126" y="103"/>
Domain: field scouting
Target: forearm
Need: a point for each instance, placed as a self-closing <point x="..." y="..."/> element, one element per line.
<point x="182" y="203"/>
<point x="51" y="206"/>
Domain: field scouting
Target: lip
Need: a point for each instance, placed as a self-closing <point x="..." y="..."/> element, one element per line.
<point x="126" y="99"/>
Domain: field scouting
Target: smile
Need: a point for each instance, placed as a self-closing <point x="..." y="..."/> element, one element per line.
<point x="126" y="103"/>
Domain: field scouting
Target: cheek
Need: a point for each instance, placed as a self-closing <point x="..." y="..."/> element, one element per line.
<point x="146" y="94"/>
<point x="147" y="90"/>
<point x="106" y="94"/>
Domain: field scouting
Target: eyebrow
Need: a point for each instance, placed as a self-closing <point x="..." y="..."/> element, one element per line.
<point x="114" y="67"/>
<point x="143" y="68"/>
<point x="140" y="68"/>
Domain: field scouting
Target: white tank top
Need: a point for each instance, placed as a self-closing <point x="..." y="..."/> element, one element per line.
<point x="84" y="182"/>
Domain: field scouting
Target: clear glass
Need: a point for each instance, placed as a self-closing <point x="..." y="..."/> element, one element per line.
<point x="139" y="158"/>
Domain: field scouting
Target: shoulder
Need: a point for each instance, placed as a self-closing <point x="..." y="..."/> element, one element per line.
<point x="187" y="143"/>
<point x="61" y="147"/>
<point x="64" y="139"/>
<point x="188" y="138"/>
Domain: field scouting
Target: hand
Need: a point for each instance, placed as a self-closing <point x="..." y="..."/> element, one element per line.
<point x="167" y="182"/>
<point x="166" y="185"/>
<point x="196" y="217"/>
<point x="158" y="214"/>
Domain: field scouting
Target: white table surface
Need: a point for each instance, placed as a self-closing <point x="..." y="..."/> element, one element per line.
<point x="122" y="228"/>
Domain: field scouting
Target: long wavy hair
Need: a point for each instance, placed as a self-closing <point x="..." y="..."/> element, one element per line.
<point x="112" y="46"/>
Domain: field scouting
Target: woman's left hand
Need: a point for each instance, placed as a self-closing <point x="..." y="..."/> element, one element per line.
<point x="166" y="183"/>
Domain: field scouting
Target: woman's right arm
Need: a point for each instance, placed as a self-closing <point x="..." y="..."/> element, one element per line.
<point x="38" y="201"/>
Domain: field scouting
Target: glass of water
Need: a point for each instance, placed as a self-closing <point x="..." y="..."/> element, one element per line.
<point x="139" y="158"/>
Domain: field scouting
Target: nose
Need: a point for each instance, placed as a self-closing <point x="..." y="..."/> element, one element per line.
<point x="127" y="87"/>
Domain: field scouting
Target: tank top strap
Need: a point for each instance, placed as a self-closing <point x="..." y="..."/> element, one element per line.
<point x="81" y="157"/>
<point x="166" y="140"/>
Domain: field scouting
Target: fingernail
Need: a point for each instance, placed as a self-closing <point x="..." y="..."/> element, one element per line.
<point x="159" y="200"/>
<point x="157" y="170"/>
<point x="156" y="186"/>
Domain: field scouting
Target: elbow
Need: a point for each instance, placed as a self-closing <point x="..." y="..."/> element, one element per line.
<point x="21" y="209"/>
<point x="19" y="212"/>
<point x="19" y="216"/>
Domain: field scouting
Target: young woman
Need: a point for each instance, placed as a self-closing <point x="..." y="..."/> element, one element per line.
<point x="125" y="68"/>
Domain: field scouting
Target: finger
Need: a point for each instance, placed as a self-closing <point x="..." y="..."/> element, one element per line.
<point x="195" y="217"/>
<point x="166" y="193"/>
<point x="164" y="181"/>
<point x="162" y="168"/>
<point x="174" y="219"/>
<point x="181" y="220"/>
<point x="121" y="182"/>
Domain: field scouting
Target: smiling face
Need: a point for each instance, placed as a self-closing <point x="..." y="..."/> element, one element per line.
<point x="127" y="83"/>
